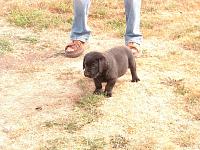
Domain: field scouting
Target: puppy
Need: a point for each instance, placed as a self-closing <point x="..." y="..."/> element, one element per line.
<point x="108" y="66"/>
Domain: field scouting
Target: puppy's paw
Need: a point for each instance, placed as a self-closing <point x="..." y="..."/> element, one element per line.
<point x="135" y="79"/>
<point x="108" y="94"/>
<point x="98" y="92"/>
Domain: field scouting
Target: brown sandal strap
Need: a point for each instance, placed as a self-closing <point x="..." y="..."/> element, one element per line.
<point x="77" y="47"/>
<point x="74" y="45"/>
<point x="136" y="52"/>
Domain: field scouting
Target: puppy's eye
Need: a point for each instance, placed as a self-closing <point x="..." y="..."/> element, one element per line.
<point x="94" y="63"/>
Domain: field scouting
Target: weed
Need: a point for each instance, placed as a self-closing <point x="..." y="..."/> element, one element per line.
<point x="118" y="26"/>
<point x="89" y="101"/>
<point x="5" y="46"/>
<point x="146" y="24"/>
<point x="181" y="89"/>
<point x="178" y="85"/>
<point x="55" y="144"/>
<point x="93" y="144"/>
<point x="84" y="113"/>
<point x="80" y="143"/>
<point x="71" y="127"/>
<point x="51" y="124"/>
<point x="64" y="6"/>
<point x="30" y="39"/>
<point x="69" y="20"/>
<point x="99" y="13"/>
<point x="118" y="141"/>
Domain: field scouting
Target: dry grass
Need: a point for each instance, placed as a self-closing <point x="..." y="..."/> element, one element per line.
<point x="186" y="138"/>
<point x="178" y="85"/>
<point x="191" y="99"/>
<point x="118" y="142"/>
<point x="148" y="144"/>
<point x="192" y="104"/>
<point x="5" y="46"/>
<point x="46" y="103"/>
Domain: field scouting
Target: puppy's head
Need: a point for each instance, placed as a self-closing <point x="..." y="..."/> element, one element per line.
<point x="93" y="64"/>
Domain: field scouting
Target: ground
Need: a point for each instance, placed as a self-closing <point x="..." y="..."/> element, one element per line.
<point x="47" y="103"/>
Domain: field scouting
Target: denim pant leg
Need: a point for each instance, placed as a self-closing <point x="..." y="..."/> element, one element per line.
<point x="132" y="10"/>
<point x="80" y="30"/>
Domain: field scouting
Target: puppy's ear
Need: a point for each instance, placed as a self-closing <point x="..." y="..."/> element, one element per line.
<point x="102" y="64"/>
<point x="84" y="63"/>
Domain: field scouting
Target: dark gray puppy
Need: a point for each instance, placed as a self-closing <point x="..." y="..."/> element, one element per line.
<point x="108" y="66"/>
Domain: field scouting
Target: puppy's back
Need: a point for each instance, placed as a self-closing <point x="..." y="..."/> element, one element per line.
<point x="120" y="50"/>
<point x="119" y="59"/>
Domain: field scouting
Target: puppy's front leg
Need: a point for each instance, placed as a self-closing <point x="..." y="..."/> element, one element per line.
<point x="98" y="86"/>
<point x="109" y="86"/>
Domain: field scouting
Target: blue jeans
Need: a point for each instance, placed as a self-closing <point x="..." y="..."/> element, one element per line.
<point x="81" y="31"/>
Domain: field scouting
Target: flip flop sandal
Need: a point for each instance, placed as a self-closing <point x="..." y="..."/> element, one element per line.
<point x="135" y="50"/>
<point x="74" y="49"/>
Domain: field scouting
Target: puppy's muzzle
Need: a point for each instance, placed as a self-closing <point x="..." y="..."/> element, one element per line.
<point x="89" y="75"/>
<point x="86" y="74"/>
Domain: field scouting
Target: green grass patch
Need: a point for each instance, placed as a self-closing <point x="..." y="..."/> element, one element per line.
<point x="39" y="19"/>
<point x="30" y="39"/>
<point x="146" y="24"/>
<point x="79" y="143"/>
<point x="93" y="144"/>
<point x="99" y="13"/>
<point x="118" y="26"/>
<point x="5" y="46"/>
<point x="85" y="112"/>
<point x="61" y="7"/>
<point x="89" y="101"/>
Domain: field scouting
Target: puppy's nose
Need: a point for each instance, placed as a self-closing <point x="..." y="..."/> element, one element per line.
<point x="86" y="74"/>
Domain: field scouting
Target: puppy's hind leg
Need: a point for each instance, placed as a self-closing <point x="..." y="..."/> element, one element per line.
<point x="132" y="66"/>
<point x="98" y="86"/>
<point x="109" y="86"/>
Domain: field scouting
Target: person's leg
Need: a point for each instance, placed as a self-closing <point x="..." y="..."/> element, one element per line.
<point x="80" y="30"/>
<point x="132" y="10"/>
